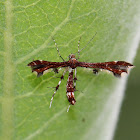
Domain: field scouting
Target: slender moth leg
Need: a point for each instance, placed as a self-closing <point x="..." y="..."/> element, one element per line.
<point x="55" y="70"/>
<point x="95" y="71"/>
<point x="75" y="79"/>
<point x="68" y="108"/>
<point x="57" y="87"/>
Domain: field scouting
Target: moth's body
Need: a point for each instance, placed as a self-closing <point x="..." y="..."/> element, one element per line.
<point x="40" y="66"/>
<point x="116" y="67"/>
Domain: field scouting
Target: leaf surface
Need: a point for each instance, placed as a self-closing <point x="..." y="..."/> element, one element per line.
<point x="26" y="29"/>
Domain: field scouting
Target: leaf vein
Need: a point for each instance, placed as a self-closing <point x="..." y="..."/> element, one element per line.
<point x="43" y="46"/>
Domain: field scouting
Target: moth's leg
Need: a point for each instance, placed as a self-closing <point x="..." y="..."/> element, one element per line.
<point x="75" y="79"/>
<point x="55" y="70"/>
<point x="58" y="49"/>
<point x="68" y="108"/>
<point x="96" y="71"/>
<point x="79" y="48"/>
<point x="57" y="87"/>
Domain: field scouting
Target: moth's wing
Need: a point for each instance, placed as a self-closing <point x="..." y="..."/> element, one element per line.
<point x="116" y="67"/>
<point x="41" y="66"/>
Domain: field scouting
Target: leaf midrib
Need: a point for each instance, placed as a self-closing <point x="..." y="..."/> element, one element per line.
<point x="9" y="68"/>
<point x="7" y="98"/>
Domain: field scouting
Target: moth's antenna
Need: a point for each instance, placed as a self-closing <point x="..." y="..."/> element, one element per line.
<point x="79" y="48"/>
<point x="57" y="49"/>
<point x="87" y="43"/>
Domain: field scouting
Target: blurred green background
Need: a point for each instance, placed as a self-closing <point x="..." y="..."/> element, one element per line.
<point x="129" y="122"/>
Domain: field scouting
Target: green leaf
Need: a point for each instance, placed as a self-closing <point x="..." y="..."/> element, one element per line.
<point x="26" y="29"/>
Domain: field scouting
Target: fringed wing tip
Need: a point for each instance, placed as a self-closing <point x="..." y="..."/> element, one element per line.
<point x="131" y="66"/>
<point x="123" y="71"/>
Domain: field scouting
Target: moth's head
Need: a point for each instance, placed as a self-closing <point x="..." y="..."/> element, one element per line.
<point x="71" y="56"/>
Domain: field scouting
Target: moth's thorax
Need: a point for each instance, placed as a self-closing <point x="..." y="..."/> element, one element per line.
<point x="72" y="61"/>
<point x="72" y="56"/>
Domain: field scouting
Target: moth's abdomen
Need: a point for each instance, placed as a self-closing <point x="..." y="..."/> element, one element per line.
<point x="70" y="88"/>
<point x="71" y="99"/>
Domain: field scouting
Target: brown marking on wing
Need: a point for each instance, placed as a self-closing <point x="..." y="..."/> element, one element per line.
<point x="116" y="67"/>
